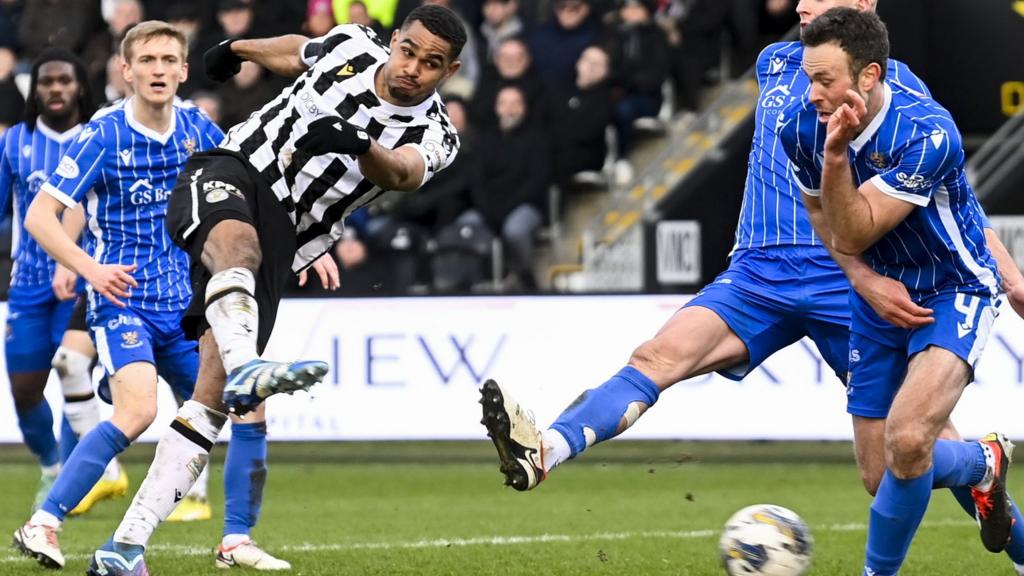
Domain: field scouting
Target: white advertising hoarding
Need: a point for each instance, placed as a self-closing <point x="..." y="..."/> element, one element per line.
<point x="408" y="368"/>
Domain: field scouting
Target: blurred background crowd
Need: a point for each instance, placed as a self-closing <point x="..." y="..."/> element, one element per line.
<point x="552" y="95"/>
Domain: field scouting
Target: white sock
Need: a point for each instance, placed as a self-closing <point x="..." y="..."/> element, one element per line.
<point x="198" y="490"/>
<point x="556" y="449"/>
<point x="51" y="470"/>
<point x="233" y="315"/>
<point x="42" y="518"/>
<point x="1019" y="568"/>
<point x="232" y="540"/>
<point x="181" y="455"/>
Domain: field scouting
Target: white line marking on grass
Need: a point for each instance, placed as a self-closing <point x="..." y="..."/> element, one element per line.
<point x="183" y="550"/>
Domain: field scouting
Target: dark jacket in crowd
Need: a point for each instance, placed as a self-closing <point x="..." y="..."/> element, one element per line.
<point x="639" y="58"/>
<point x="481" y="110"/>
<point x="560" y="49"/>
<point x="578" y="120"/>
<point x="64" y="23"/>
<point x="512" y="169"/>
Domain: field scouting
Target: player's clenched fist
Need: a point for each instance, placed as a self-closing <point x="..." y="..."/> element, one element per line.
<point x="221" y="62"/>
<point x="333" y="134"/>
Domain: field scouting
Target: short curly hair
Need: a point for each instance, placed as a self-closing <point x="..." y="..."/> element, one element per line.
<point x="441" y="22"/>
<point x="861" y="34"/>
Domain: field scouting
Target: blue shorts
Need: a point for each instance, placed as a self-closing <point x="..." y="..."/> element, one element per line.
<point x="124" y="336"/>
<point x="36" y="322"/>
<point x="773" y="297"/>
<point x="880" y="352"/>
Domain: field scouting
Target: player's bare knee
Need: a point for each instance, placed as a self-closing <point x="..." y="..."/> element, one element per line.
<point x="653" y="359"/>
<point x="907" y="450"/>
<point x="232" y="244"/>
<point x="135" y="418"/>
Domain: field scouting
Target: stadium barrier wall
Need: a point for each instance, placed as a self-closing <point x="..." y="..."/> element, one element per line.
<point x="408" y="368"/>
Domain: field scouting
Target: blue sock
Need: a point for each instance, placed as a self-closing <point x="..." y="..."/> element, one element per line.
<point x="84" y="468"/>
<point x="958" y="463"/>
<point x="600" y="410"/>
<point x="245" y="474"/>
<point x="896" y="513"/>
<point x="68" y="439"/>
<point x="1015" y="549"/>
<point x="36" y="425"/>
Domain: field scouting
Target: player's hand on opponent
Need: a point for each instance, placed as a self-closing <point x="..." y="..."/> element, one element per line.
<point x="64" y="283"/>
<point x="221" y="62"/>
<point x="112" y="281"/>
<point x="332" y="134"/>
<point x="327" y="269"/>
<point x="844" y="123"/>
<point x="891" y="301"/>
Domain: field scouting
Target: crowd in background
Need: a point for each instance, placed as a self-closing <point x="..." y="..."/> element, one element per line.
<point x="543" y="84"/>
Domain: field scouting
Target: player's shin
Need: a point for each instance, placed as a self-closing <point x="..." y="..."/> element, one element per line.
<point x="606" y="411"/>
<point x="233" y="314"/>
<point x="245" y="475"/>
<point x="181" y="455"/>
<point x="895" y="515"/>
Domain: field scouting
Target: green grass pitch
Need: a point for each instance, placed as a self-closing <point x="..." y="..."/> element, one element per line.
<point x="643" y="508"/>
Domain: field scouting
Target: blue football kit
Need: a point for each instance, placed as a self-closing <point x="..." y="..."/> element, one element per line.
<point x="775" y="242"/>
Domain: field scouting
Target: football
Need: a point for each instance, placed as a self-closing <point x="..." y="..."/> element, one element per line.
<point x="766" y="540"/>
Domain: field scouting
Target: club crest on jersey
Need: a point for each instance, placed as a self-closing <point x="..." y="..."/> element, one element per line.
<point x="130" y="339"/>
<point x="878" y="160"/>
<point x="190" y="146"/>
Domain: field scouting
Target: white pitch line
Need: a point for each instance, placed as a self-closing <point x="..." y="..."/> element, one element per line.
<point x="183" y="550"/>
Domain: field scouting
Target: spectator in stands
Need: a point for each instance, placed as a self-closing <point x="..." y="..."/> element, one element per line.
<point x="512" y="66"/>
<point x="510" y="182"/>
<point x="11" y="102"/>
<point x="102" y="45"/>
<point x="776" y="18"/>
<point x="501" y="22"/>
<point x="115" y="88"/>
<point x="210" y="103"/>
<point x="579" y="117"/>
<point x="319" y="18"/>
<point x="639" y="57"/>
<point x="64" y="23"/>
<point x="235" y="18"/>
<point x="247" y="92"/>
<point x="10" y="15"/>
<point x="357" y="14"/>
<point x="562" y="40"/>
<point x="276" y="17"/>
<point x="702" y="33"/>
<point x="382" y="11"/>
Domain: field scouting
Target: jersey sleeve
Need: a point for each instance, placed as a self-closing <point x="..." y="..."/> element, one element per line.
<point x="800" y="150"/>
<point x="901" y="74"/>
<point x="6" y="176"/>
<point x="922" y="164"/>
<point x="317" y="48"/>
<point x="211" y="134"/>
<point x="438" y="147"/>
<point x="79" y="168"/>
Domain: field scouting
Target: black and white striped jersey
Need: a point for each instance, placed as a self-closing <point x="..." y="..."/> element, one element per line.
<point x="319" y="191"/>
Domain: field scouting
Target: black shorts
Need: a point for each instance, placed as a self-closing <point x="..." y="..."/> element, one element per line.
<point x="222" y="185"/>
<point x="77" y="320"/>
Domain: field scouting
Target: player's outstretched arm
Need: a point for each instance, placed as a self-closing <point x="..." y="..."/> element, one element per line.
<point x="280" y="55"/>
<point x="400" y="169"/>
<point x="43" y="223"/>
<point x="889" y="298"/>
<point x="1013" y="280"/>
<point x="64" y="279"/>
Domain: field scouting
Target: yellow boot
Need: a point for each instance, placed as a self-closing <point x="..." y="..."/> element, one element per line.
<point x="103" y="490"/>
<point x="191" y="509"/>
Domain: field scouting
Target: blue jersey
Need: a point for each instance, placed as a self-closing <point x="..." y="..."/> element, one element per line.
<point x="911" y="151"/>
<point x="773" y="213"/>
<point x="125" y="172"/>
<point x="28" y="158"/>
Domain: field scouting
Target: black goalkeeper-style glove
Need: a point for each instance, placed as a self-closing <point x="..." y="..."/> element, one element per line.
<point x="221" y="62"/>
<point x="333" y="134"/>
